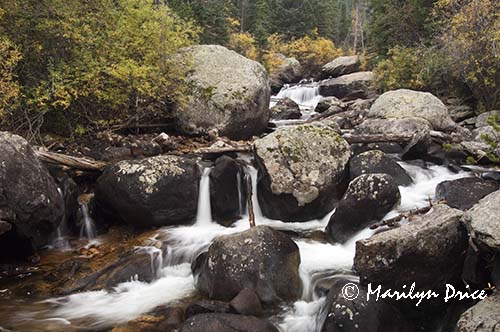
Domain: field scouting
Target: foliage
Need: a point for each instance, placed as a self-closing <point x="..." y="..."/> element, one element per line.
<point x="85" y="61"/>
<point x="9" y="88"/>
<point x="244" y="43"/>
<point x="470" y="33"/>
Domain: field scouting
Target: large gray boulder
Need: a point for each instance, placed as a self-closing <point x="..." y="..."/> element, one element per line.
<point x="367" y="200"/>
<point x="229" y="93"/>
<point x="429" y="251"/>
<point x="302" y="171"/>
<point x="31" y="207"/>
<point x="463" y="193"/>
<point x="351" y="86"/>
<point x="341" y="66"/>
<point x="261" y="259"/>
<point x="157" y="191"/>
<point x="289" y="71"/>
<point x="483" y="317"/>
<point x="483" y="221"/>
<point x="404" y="103"/>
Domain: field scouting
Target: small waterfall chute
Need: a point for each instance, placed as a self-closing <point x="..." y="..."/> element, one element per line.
<point x="204" y="212"/>
<point x="307" y="96"/>
<point x="87" y="229"/>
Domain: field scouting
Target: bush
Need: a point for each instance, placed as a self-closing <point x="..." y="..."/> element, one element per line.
<point x="244" y="44"/>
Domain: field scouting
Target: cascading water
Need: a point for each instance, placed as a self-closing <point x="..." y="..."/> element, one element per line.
<point x="97" y="310"/>
<point x="88" y="227"/>
<point x="305" y="95"/>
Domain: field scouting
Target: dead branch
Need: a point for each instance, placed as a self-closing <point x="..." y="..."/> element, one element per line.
<point x="393" y="222"/>
<point x="251" y="214"/>
<point x="78" y="163"/>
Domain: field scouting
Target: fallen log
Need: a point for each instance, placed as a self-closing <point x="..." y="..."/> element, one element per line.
<point x="78" y="163"/>
<point x="225" y="149"/>
<point x="393" y="222"/>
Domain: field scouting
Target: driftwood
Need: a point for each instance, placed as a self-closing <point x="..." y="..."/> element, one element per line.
<point x="251" y="214"/>
<point x="393" y="222"/>
<point x="225" y="149"/>
<point x="78" y="163"/>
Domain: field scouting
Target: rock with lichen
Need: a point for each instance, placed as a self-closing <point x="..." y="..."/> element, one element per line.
<point x="302" y="171"/>
<point x="367" y="200"/>
<point x="156" y="191"/>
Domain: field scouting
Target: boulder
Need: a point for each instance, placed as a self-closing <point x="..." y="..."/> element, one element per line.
<point x="486" y="134"/>
<point x="484" y="119"/>
<point x="261" y="259"/>
<point x="302" y="171"/>
<point x="227" y="323"/>
<point x="247" y="303"/>
<point x="29" y="198"/>
<point x="483" y="222"/>
<point x="463" y="193"/>
<point x="367" y="200"/>
<point x="428" y="251"/>
<point x="227" y="190"/>
<point x="404" y="103"/>
<point x="376" y="161"/>
<point x="157" y="191"/>
<point x="460" y="113"/>
<point x="289" y="71"/>
<point x="483" y="317"/>
<point x="341" y="314"/>
<point x="285" y="109"/>
<point x="327" y="102"/>
<point x="351" y="86"/>
<point x="385" y="147"/>
<point x="341" y="66"/>
<point x="229" y="93"/>
<point x="207" y="307"/>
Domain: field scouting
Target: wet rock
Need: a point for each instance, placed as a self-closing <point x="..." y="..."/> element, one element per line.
<point x="164" y="319"/>
<point x="227" y="202"/>
<point x="351" y="86"/>
<point x="261" y="259"/>
<point x="483" y="220"/>
<point x="207" y="307"/>
<point x="157" y="191"/>
<point x="290" y="71"/>
<point x="227" y="323"/>
<point x="29" y="199"/>
<point x="492" y="176"/>
<point x="367" y="200"/>
<point x="285" y="109"/>
<point x="230" y="94"/>
<point x="404" y="103"/>
<point x="463" y="193"/>
<point x="483" y="317"/>
<point x="341" y="66"/>
<point x="429" y="251"/>
<point x="302" y="171"/>
<point x="247" y="303"/>
<point x="328" y="102"/>
<point x="349" y="315"/>
<point x="376" y="161"/>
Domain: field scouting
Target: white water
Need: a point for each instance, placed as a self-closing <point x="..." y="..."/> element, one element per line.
<point x="127" y="301"/>
<point x="88" y="227"/>
<point x="306" y="95"/>
<point x="204" y="213"/>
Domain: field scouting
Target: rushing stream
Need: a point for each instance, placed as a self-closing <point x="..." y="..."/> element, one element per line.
<point x="101" y="309"/>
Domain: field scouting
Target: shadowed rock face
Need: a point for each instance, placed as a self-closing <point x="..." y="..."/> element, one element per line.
<point x="261" y="259"/>
<point x="483" y="317"/>
<point x="430" y="251"/>
<point x="31" y="207"/>
<point x="302" y="171"/>
<point x="227" y="323"/>
<point x="463" y="193"/>
<point x="229" y="93"/>
<point x="286" y="109"/>
<point x="367" y="200"/>
<point x="157" y="191"/>
<point x="404" y="103"/>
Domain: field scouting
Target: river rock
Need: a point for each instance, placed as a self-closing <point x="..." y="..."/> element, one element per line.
<point x="429" y="251"/>
<point x="483" y="317"/>
<point x="351" y="86"/>
<point x="483" y="222"/>
<point x="375" y="161"/>
<point x="404" y="103"/>
<point x="367" y="200"/>
<point x="261" y="259"/>
<point x="227" y="202"/>
<point x="156" y="191"/>
<point x="290" y="71"/>
<point x="227" y="323"/>
<point x="29" y="199"/>
<point x="229" y="93"/>
<point x="207" y="307"/>
<point x="327" y="102"/>
<point x="247" y="303"/>
<point x="285" y="109"/>
<point x="463" y="193"/>
<point x="349" y="315"/>
<point x="302" y="171"/>
<point x="341" y="66"/>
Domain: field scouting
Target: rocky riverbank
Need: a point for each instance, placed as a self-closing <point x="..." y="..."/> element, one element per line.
<point x="345" y="186"/>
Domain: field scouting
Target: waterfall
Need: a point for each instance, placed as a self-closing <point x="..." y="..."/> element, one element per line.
<point x="60" y="241"/>
<point x="307" y="95"/>
<point x="204" y="213"/>
<point x="88" y="227"/>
